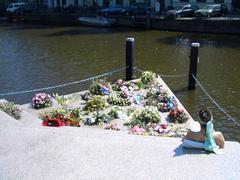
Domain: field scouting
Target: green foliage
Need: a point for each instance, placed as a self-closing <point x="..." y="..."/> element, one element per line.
<point x="11" y="109"/>
<point x="77" y="112"/>
<point x="98" y="118"/>
<point x="130" y="111"/>
<point x="155" y="96"/>
<point x="140" y="84"/>
<point x="117" y="99"/>
<point x="114" y="112"/>
<point x="95" y="104"/>
<point x="61" y="100"/>
<point x="148" y="77"/>
<point x="143" y="117"/>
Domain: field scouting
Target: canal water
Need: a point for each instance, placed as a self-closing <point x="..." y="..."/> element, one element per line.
<point x="35" y="56"/>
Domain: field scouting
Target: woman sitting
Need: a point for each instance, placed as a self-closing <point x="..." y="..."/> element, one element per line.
<point x="205" y="120"/>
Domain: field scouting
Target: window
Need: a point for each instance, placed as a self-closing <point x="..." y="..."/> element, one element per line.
<point x="218" y="1"/>
<point x="184" y="0"/>
<point x="119" y="1"/>
<point x="201" y="0"/>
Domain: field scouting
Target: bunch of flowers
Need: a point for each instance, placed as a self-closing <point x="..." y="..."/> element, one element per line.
<point x="41" y="100"/>
<point x="148" y="77"/>
<point x="155" y="96"/>
<point x="57" y="119"/>
<point x="100" y="87"/>
<point x="98" y="118"/>
<point x="116" y="99"/>
<point x="95" y="104"/>
<point x="117" y="85"/>
<point x="125" y="92"/>
<point x="86" y="96"/>
<point x="163" y="107"/>
<point x="177" y="115"/>
<point x="143" y="118"/>
<point x="11" y="109"/>
<point x="163" y="96"/>
<point x="114" y="112"/>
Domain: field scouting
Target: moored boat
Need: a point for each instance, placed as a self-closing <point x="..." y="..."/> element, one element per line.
<point x="97" y="21"/>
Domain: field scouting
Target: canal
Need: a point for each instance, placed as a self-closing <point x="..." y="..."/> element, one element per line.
<point x="35" y="56"/>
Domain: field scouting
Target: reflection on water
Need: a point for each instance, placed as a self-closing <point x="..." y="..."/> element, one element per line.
<point x="33" y="56"/>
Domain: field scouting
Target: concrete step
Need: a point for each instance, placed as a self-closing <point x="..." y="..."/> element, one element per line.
<point x="87" y="153"/>
<point x="27" y="120"/>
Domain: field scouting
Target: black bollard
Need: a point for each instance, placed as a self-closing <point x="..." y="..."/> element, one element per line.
<point x="148" y="21"/>
<point x="194" y="59"/>
<point x="130" y="58"/>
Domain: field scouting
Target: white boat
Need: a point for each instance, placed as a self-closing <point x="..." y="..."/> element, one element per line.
<point x="97" y="21"/>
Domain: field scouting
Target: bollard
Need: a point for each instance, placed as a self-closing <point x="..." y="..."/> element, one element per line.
<point x="194" y="60"/>
<point x="130" y="58"/>
<point x="148" y="21"/>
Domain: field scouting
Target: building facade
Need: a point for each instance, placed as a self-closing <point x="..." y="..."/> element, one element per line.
<point x="102" y="3"/>
<point x="165" y="4"/>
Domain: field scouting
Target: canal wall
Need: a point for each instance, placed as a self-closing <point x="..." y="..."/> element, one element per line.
<point x="208" y="25"/>
<point x="203" y="25"/>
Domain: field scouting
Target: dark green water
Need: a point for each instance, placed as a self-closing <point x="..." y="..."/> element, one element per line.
<point x="34" y="56"/>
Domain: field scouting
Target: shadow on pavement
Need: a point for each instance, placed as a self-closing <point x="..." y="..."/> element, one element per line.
<point x="179" y="151"/>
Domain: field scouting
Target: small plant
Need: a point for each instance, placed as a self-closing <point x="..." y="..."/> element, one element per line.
<point x="177" y="116"/>
<point x="148" y="77"/>
<point x="11" y="109"/>
<point x="117" y="99"/>
<point x="97" y="103"/>
<point x="143" y="117"/>
<point x="41" y="100"/>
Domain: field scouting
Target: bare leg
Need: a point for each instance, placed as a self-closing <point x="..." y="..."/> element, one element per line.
<point x="195" y="136"/>
<point x="218" y="136"/>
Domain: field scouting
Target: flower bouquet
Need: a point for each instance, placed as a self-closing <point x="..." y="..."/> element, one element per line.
<point x="96" y="103"/>
<point x="148" y="77"/>
<point x="41" y="100"/>
<point x="59" y="119"/>
<point x="177" y="116"/>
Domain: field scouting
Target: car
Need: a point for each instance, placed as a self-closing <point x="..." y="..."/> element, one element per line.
<point x="137" y="9"/>
<point x="13" y="7"/>
<point x="212" y="10"/>
<point x="27" y="9"/>
<point x="182" y="11"/>
<point x="112" y="10"/>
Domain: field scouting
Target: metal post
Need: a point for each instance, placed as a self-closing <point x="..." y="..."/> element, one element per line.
<point x="148" y="21"/>
<point x="194" y="59"/>
<point x="130" y="57"/>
